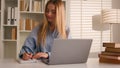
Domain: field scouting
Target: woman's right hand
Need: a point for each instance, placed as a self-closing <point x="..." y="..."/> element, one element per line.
<point x="27" y="56"/>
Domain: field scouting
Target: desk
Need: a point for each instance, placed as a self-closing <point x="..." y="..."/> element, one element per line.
<point x="91" y="63"/>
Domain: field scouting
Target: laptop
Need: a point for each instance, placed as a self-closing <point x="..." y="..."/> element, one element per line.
<point x="69" y="51"/>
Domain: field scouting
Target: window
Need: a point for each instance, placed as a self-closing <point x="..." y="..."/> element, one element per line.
<point x="81" y="13"/>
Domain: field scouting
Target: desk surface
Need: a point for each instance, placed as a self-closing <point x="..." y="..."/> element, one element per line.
<point x="91" y="63"/>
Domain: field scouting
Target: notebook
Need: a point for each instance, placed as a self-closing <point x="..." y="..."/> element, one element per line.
<point x="21" y="61"/>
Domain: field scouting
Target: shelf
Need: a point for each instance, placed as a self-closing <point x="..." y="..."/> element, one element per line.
<point x="24" y="12"/>
<point x="25" y="31"/>
<point x="63" y="0"/>
<point x="10" y="0"/>
<point x="9" y="25"/>
<point x="9" y="40"/>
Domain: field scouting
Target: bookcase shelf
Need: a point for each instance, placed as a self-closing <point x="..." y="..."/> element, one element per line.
<point x="18" y="18"/>
<point x="9" y="28"/>
<point x="9" y="40"/>
<point x="24" y="12"/>
<point x="25" y="31"/>
<point x="9" y="25"/>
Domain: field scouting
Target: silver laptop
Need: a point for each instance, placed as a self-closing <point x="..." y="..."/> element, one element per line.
<point x="69" y="51"/>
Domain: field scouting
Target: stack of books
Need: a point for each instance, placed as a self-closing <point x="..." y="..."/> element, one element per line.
<point x="111" y="53"/>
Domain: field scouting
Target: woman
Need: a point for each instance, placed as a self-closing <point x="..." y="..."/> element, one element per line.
<point x="38" y="44"/>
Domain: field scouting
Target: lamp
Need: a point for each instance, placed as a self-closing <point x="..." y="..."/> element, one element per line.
<point x="97" y="23"/>
<point x="99" y="26"/>
<point x="110" y="16"/>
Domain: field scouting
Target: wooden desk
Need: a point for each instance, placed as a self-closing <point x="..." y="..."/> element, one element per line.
<point x="91" y="63"/>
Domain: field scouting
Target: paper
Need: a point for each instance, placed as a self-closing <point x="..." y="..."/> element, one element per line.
<point x="21" y="61"/>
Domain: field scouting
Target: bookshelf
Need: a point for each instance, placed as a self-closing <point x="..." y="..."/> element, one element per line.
<point x="9" y="28"/>
<point x="18" y="18"/>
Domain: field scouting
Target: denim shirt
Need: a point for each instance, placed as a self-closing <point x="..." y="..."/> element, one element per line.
<point x="30" y="44"/>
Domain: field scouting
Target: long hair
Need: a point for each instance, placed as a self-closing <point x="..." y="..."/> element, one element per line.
<point x="60" y="22"/>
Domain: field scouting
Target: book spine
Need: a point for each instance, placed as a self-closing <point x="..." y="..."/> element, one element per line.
<point x="106" y="60"/>
<point x="14" y="34"/>
<point x="9" y="15"/>
<point x="112" y="45"/>
<point x="22" y="5"/>
<point x="110" y="57"/>
<point x="21" y="22"/>
<point x="16" y="15"/>
<point x="110" y="53"/>
<point x="12" y="16"/>
<point x="108" y="44"/>
<point x="28" y="24"/>
<point x="112" y="50"/>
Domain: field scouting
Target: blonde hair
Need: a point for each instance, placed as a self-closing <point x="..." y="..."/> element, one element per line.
<point x="59" y="22"/>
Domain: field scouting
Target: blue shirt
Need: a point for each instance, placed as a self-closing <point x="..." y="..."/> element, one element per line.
<point x="30" y="44"/>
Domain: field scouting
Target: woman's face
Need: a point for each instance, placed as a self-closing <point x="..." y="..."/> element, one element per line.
<point x="50" y="13"/>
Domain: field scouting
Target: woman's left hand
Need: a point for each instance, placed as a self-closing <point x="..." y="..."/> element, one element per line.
<point x="40" y="55"/>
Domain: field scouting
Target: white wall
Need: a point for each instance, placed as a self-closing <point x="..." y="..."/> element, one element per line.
<point x="0" y="44"/>
<point x="116" y="27"/>
<point x="116" y="4"/>
<point x="116" y="33"/>
<point x="0" y="41"/>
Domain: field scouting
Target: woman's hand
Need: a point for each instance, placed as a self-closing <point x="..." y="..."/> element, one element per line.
<point x="27" y="56"/>
<point x="40" y="55"/>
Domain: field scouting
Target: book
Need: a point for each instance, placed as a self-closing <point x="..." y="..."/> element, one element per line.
<point x="9" y="13"/>
<point x="106" y="60"/>
<point x="22" y="24"/>
<point x="21" y="61"/>
<point x="28" y="24"/>
<point x="108" y="49"/>
<point x="109" y="57"/>
<point x="112" y="45"/>
<point x="15" y="16"/>
<point x="8" y="33"/>
<point x="36" y="6"/>
<point x="110" y="53"/>
<point x="14" y="33"/>
<point x="22" y="4"/>
<point x="26" y="6"/>
<point x="12" y="16"/>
